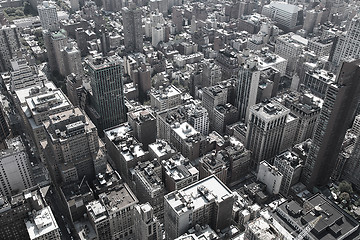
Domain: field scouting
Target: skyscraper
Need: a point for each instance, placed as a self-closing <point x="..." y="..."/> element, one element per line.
<point x="48" y="16"/>
<point x="73" y="145"/>
<point x="265" y="130"/>
<point x="15" y="173"/>
<point x="336" y="114"/>
<point x="10" y="44"/>
<point x="133" y="36"/>
<point x="347" y="44"/>
<point x="107" y="100"/>
<point x="247" y="86"/>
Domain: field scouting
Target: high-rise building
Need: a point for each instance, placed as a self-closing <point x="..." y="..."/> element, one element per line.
<point x="54" y="42"/>
<point x="318" y="81"/>
<point x="73" y="145"/>
<point x="289" y="164"/>
<point x="143" y="123"/>
<point x="306" y="107"/>
<point x="133" y="33"/>
<point x="22" y="75"/>
<point x="107" y="98"/>
<point x="347" y="44"/>
<point x="166" y="98"/>
<point x="15" y="210"/>
<point x="239" y="160"/>
<point x="73" y="88"/>
<point x="149" y="186"/>
<point x="10" y="38"/>
<point x="72" y="60"/>
<point x="124" y="150"/>
<point x="270" y="176"/>
<point x="224" y="115"/>
<point x="48" y="16"/>
<point x="213" y="164"/>
<point x="15" y="172"/>
<point x="146" y="224"/>
<point x="290" y="49"/>
<point x="213" y="96"/>
<point x="207" y="201"/>
<point x="339" y="106"/>
<point x="265" y="130"/>
<point x="178" y="172"/>
<point x="286" y="15"/>
<point x="247" y="87"/>
<point x="112" y="216"/>
<point x="186" y="140"/>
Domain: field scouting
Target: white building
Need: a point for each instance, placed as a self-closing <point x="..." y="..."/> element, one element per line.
<point x="165" y="98"/>
<point x="22" y="75"/>
<point x="348" y="44"/>
<point x="270" y="176"/>
<point x="207" y="201"/>
<point x="290" y="46"/>
<point x="289" y="165"/>
<point x="15" y="171"/>
<point x="48" y="16"/>
<point x="283" y="13"/>
<point x="43" y="226"/>
<point x="158" y="35"/>
<point x="146" y="224"/>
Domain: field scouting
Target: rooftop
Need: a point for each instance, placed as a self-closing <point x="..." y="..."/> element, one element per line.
<point x="161" y="148"/>
<point x="184" y="130"/>
<point x="198" y="194"/>
<point x="118" y="198"/>
<point x="263" y="230"/>
<point x="42" y="223"/>
<point x="333" y="224"/>
<point x="269" y="109"/>
<point x="178" y="167"/>
<point x="14" y="145"/>
<point x="164" y="93"/>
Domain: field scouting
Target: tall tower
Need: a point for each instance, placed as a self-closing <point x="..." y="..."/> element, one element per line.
<point x="335" y="118"/>
<point x="247" y="86"/>
<point x="133" y="35"/>
<point x="265" y="130"/>
<point x="48" y="16"/>
<point x="107" y="88"/>
<point x="348" y="45"/>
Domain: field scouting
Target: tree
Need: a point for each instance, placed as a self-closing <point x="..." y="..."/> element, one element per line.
<point x="19" y="12"/>
<point x="345" y="186"/>
<point x="344" y="196"/>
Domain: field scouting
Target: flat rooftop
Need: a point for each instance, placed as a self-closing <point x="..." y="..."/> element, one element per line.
<point x="118" y="198"/>
<point x="42" y="223"/>
<point x="198" y="194"/>
<point x="333" y="224"/>
<point x="184" y="130"/>
<point x="268" y="110"/>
